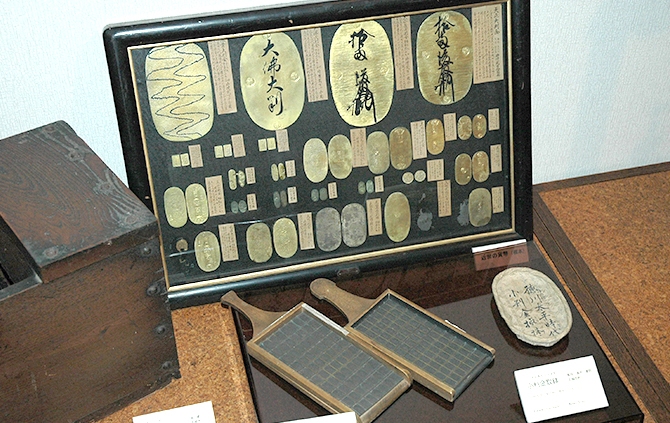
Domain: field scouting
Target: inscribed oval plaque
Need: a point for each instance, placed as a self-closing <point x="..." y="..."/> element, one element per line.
<point x="179" y="87"/>
<point x="435" y="136"/>
<point x="340" y="156"/>
<point x="354" y="225"/>
<point x="196" y="203"/>
<point x="397" y="216"/>
<point x="444" y="58"/>
<point x="272" y="80"/>
<point x="479" y="207"/>
<point x="174" y="203"/>
<point x="543" y="324"/>
<point x="479" y="126"/>
<point x="378" y="152"/>
<point x="207" y="251"/>
<point x="463" y="169"/>
<point x="259" y="242"/>
<point x="361" y="73"/>
<point x="285" y="237"/>
<point x="328" y="229"/>
<point x="315" y="160"/>
<point x="400" y="144"/>
<point x="480" y="166"/>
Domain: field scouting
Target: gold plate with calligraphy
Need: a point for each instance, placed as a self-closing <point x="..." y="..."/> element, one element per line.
<point x="292" y="145"/>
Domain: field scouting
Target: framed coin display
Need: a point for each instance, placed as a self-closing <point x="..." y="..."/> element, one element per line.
<point x="282" y="145"/>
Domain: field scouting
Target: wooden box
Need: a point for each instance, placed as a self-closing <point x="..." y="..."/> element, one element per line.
<point x="84" y="323"/>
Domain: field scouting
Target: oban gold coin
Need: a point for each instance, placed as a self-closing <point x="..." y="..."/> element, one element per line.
<point x="328" y="229"/>
<point x="180" y="114"/>
<point x="479" y="207"/>
<point x="207" y="251"/>
<point x="463" y="169"/>
<point x="196" y="204"/>
<point x="340" y="156"/>
<point x="464" y="127"/>
<point x="174" y="203"/>
<point x="444" y="58"/>
<point x="400" y="143"/>
<point x="479" y="126"/>
<point x="285" y="237"/>
<point x="361" y="73"/>
<point x="354" y="225"/>
<point x="435" y="136"/>
<point x="272" y="80"/>
<point x="397" y="217"/>
<point x="259" y="242"/>
<point x="378" y="152"/>
<point x="480" y="166"/>
<point x="315" y="160"/>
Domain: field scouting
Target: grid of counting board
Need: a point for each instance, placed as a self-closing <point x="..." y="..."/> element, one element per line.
<point x="423" y="342"/>
<point x="326" y="358"/>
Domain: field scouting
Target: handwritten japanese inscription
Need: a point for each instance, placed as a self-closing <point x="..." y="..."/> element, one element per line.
<point x="361" y="73"/>
<point x="532" y="306"/>
<point x="272" y="80"/>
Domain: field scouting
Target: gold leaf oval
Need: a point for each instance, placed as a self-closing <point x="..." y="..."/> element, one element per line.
<point x="361" y="73"/>
<point x="272" y="80"/>
<point x="179" y="87"/>
<point x="444" y="57"/>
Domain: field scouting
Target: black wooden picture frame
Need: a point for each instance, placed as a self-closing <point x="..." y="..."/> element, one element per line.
<point x="150" y="157"/>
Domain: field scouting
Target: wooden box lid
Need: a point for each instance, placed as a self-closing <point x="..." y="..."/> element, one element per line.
<point x="66" y="207"/>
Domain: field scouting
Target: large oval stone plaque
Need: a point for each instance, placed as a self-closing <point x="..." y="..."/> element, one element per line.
<point x="532" y="306"/>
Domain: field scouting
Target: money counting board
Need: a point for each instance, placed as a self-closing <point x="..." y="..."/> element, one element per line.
<point x="437" y="354"/>
<point x="279" y="145"/>
<point x="319" y="358"/>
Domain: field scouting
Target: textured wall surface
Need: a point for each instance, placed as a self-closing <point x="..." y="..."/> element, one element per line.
<point x="599" y="77"/>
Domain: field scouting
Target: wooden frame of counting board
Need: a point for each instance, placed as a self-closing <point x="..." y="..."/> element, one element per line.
<point x="282" y="145"/>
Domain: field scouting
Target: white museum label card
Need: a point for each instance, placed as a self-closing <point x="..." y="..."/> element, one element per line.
<point x="196" y="413"/>
<point x="560" y="389"/>
<point x="333" y="418"/>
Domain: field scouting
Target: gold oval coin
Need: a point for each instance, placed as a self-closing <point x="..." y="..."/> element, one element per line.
<point x="464" y="127"/>
<point x="207" y="251"/>
<point x="361" y="73"/>
<point x="274" y="171"/>
<point x="328" y="229"/>
<point x="435" y="136"/>
<point x="340" y="156"/>
<point x="479" y="126"/>
<point x="179" y="88"/>
<point x="232" y="179"/>
<point x="463" y="169"/>
<point x="400" y="141"/>
<point x="259" y="242"/>
<point x="444" y="58"/>
<point x="397" y="217"/>
<point x="196" y="203"/>
<point x="272" y="80"/>
<point x="241" y="178"/>
<point x="315" y="160"/>
<point x="378" y="152"/>
<point x="354" y="225"/>
<point x="479" y="207"/>
<point x="285" y="237"/>
<point x="281" y="169"/>
<point x="174" y="204"/>
<point x="480" y="166"/>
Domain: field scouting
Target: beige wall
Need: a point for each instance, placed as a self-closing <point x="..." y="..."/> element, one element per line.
<point x="599" y="76"/>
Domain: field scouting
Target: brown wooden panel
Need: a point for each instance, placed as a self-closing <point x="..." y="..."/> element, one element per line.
<point x="88" y="342"/>
<point x="626" y="349"/>
<point x="61" y="201"/>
